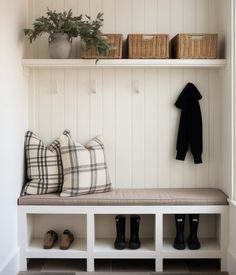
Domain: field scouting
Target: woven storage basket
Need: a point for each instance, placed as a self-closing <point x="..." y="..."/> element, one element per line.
<point x="148" y="46"/>
<point x="188" y="45"/>
<point x="115" y="51"/>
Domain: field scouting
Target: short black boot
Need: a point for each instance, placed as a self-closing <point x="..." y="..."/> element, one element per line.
<point x="134" y="242"/>
<point x="193" y="242"/>
<point x="120" y="232"/>
<point x="179" y="239"/>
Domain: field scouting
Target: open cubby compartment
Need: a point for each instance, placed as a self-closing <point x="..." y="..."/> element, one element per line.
<point x="125" y="265"/>
<point x="62" y="266"/>
<point x="105" y="235"/>
<point x="191" y="265"/>
<point x="208" y="234"/>
<point x="39" y="224"/>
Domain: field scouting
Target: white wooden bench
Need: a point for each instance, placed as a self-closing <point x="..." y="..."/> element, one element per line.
<point x="91" y="218"/>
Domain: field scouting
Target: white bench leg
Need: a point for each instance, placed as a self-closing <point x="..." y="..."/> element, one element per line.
<point x="159" y="265"/>
<point x="23" y="230"/>
<point x="23" y="262"/>
<point x="224" y="240"/>
<point x="224" y="264"/>
<point x="90" y="265"/>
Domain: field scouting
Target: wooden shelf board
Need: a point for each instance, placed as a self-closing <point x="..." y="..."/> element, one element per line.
<point x="123" y="63"/>
<point x="210" y="248"/>
<point x="77" y="249"/>
<point x="104" y="248"/>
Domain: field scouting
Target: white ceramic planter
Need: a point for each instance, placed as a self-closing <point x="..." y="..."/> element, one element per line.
<point x="60" y="46"/>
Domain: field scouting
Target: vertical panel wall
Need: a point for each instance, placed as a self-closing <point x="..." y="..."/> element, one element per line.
<point x="140" y="129"/>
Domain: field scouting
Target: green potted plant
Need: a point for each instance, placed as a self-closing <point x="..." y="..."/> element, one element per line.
<point x="62" y="27"/>
<point x="91" y="35"/>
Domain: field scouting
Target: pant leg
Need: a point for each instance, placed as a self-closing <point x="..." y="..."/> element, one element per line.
<point x="183" y="135"/>
<point x="196" y="133"/>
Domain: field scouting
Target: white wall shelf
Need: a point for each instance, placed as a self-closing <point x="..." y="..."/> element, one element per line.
<point x="124" y="63"/>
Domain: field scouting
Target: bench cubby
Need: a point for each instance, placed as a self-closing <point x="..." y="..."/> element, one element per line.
<point x="105" y="234"/>
<point x="208" y="233"/>
<point x="125" y="265"/>
<point x="193" y="265"/>
<point x="56" y="265"/>
<point x="39" y="224"/>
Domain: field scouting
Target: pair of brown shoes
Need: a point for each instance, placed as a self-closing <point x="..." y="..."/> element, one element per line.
<point x="51" y="237"/>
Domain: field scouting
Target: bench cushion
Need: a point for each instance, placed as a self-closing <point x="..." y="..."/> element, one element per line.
<point x="160" y="196"/>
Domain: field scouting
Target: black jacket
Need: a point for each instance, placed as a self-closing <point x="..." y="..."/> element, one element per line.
<point x="190" y="126"/>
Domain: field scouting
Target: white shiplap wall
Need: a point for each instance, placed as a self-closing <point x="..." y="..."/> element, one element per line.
<point x="140" y="129"/>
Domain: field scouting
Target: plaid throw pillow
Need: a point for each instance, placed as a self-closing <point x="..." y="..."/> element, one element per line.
<point x="44" y="166"/>
<point x="84" y="167"/>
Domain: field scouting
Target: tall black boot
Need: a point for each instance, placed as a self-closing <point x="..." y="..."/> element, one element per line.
<point x="193" y="242"/>
<point x="134" y="242"/>
<point x="120" y="232"/>
<point x="179" y="239"/>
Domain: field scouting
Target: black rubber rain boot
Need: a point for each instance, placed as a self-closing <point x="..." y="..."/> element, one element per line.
<point x="179" y="239"/>
<point x="193" y="242"/>
<point x="134" y="242"/>
<point x="120" y="232"/>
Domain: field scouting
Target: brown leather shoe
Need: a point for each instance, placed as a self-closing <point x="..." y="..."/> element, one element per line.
<point x="49" y="239"/>
<point x="66" y="239"/>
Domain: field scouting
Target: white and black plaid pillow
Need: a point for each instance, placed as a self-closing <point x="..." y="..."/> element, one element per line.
<point x="84" y="167"/>
<point x="44" y="165"/>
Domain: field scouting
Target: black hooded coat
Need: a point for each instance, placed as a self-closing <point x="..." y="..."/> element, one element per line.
<point x="190" y="126"/>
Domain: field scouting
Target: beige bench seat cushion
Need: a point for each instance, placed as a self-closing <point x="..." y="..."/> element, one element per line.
<point x="160" y="196"/>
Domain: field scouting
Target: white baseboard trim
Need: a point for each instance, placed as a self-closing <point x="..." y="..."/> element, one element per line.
<point x="11" y="265"/>
<point x="231" y="262"/>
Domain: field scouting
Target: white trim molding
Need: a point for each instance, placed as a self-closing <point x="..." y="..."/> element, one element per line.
<point x="231" y="262"/>
<point x="233" y="65"/>
<point x="124" y="63"/>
